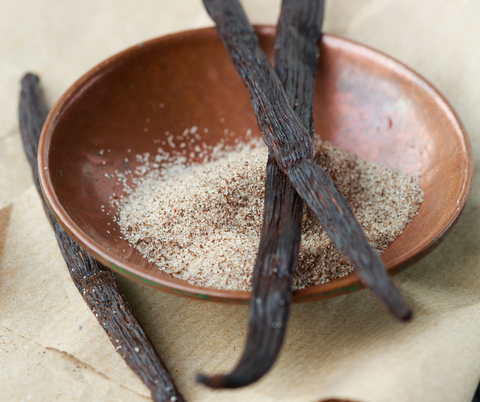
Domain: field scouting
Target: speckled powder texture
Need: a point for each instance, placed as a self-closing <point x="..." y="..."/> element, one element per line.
<point x="202" y="223"/>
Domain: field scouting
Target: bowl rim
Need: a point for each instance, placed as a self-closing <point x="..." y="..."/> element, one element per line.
<point x="333" y="288"/>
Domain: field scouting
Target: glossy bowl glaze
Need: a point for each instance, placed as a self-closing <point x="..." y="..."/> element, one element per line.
<point x="365" y="102"/>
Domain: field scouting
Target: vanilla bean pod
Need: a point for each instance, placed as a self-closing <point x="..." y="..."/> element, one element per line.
<point x="296" y="53"/>
<point x="292" y="146"/>
<point x="95" y="282"/>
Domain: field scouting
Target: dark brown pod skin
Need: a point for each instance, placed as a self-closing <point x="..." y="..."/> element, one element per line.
<point x="95" y="282"/>
<point x="296" y="54"/>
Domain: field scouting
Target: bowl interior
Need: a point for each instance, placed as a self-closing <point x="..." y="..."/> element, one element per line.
<point x="365" y="102"/>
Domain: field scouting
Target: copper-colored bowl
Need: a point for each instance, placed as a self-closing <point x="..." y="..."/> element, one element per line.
<point x="365" y="102"/>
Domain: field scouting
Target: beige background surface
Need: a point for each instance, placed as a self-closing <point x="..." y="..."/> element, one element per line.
<point x="51" y="346"/>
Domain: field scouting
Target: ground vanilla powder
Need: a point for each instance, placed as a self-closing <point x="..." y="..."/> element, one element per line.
<point x="202" y="223"/>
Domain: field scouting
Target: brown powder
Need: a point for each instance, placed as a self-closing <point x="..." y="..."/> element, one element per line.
<point x="202" y="223"/>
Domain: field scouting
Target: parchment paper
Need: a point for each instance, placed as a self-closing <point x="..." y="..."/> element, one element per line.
<point x="51" y="346"/>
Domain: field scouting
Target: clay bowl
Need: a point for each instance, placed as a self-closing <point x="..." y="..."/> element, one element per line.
<point x="365" y="102"/>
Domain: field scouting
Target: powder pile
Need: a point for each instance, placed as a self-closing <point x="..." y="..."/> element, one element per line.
<point x="202" y="223"/>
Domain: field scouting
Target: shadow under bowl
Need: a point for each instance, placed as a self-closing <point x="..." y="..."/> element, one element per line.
<point x="365" y="102"/>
